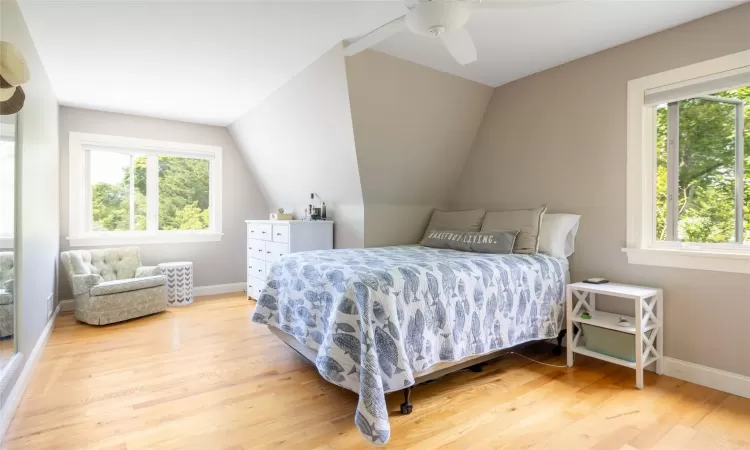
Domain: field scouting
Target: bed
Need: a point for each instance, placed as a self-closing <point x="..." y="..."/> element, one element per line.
<point x="379" y="320"/>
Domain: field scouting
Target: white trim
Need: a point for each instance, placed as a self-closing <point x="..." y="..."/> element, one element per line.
<point x="641" y="172"/>
<point x="707" y="376"/>
<point x="160" y="237"/>
<point x="219" y="289"/>
<point x="690" y="259"/>
<point x="78" y="188"/>
<point x="9" y="371"/>
<point x="16" y="394"/>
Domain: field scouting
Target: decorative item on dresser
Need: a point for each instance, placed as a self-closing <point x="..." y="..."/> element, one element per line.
<point x="179" y="282"/>
<point x="269" y="240"/>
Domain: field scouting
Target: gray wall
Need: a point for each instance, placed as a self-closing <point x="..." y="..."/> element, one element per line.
<point x="299" y="140"/>
<point x="413" y="128"/>
<point x="37" y="219"/>
<point x="213" y="262"/>
<point x="559" y="137"/>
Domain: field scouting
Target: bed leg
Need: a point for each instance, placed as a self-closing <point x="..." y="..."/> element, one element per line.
<point x="476" y="368"/>
<point x="407" y="407"/>
<point x="557" y="351"/>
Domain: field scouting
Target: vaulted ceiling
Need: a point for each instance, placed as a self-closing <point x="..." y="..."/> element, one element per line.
<point x="210" y="62"/>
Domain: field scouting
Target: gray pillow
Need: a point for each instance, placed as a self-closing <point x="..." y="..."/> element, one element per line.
<point x="469" y="241"/>
<point x="467" y="220"/>
<point x="528" y="221"/>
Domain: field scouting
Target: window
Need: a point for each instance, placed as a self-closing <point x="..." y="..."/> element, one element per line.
<point x="126" y="190"/>
<point x="702" y="185"/>
<point x="689" y="166"/>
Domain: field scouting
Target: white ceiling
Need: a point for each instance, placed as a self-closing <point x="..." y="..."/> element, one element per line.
<point x="194" y="60"/>
<point x="211" y="61"/>
<point x="514" y="43"/>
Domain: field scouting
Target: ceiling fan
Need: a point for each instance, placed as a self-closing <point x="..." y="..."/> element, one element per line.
<point x="442" y="19"/>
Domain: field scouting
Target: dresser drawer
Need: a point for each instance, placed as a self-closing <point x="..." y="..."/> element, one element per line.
<point x="254" y="286"/>
<point x="256" y="249"/>
<point x="275" y="250"/>
<point x="281" y="233"/>
<point x="256" y="268"/>
<point x="260" y="231"/>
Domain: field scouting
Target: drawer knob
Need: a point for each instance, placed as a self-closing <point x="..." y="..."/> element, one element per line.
<point x="260" y="270"/>
<point x="262" y="232"/>
<point x="281" y="254"/>
<point x="268" y="252"/>
<point x="278" y="234"/>
<point x="252" y="231"/>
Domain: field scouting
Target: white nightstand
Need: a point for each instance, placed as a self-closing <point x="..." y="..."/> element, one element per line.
<point x="649" y="317"/>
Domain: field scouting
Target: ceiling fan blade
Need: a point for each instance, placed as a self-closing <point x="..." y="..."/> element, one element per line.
<point x="375" y="36"/>
<point x="519" y="4"/>
<point x="460" y="46"/>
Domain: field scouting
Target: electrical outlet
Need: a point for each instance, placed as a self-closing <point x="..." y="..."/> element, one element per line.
<point x="50" y="306"/>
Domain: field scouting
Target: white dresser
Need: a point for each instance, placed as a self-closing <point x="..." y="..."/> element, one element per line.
<point x="269" y="240"/>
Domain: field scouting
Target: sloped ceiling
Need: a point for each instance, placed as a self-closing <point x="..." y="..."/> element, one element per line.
<point x="211" y="61"/>
<point x="300" y="140"/>
<point x="380" y="139"/>
<point x="195" y="61"/>
<point x="413" y="129"/>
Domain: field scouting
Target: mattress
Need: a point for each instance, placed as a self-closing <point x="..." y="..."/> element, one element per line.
<point x="375" y="317"/>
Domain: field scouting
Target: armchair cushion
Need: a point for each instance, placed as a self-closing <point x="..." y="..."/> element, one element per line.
<point x="109" y="263"/>
<point x="6" y="298"/>
<point x="81" y="284"/>
<point x="148" y="271"/>
<point x="133" y="284"/>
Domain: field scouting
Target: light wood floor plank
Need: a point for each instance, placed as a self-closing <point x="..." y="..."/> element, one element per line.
<point x="204" y="377"/>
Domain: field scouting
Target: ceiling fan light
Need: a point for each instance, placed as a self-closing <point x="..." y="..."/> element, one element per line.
<point x="437" y="30"/>
<point x="441" y="16"/>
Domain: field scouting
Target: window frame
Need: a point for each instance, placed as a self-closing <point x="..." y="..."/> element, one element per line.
<point x="80" y="218"/>
<point x="641" y="244"/>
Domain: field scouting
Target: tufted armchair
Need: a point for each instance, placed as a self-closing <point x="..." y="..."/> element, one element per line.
<point x="110" y="285"/>
<point x="7" y="275"/>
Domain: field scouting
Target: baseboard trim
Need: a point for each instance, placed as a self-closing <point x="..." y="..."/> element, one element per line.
<point x="70" y="304"/>
<point x="16" y="394"/>
<point x="219" y="289"/>
<point x="721" y="380"/>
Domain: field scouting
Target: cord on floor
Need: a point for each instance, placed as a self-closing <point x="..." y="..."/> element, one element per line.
<point x="538" y="362"/>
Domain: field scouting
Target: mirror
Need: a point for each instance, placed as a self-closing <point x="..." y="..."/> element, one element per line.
<point x="7" y="235"/>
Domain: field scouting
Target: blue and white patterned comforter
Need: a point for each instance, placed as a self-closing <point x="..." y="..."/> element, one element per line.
<point x="376" y="316"/>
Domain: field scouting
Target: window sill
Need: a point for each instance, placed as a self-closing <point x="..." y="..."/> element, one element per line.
<point x="145" y="238"/>
<point x="718" y="261"/>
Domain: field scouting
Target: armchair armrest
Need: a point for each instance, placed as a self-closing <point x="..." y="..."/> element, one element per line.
<point x="83" y="283"/>
<point x="148" y="271"/>
<point x="8" y="286"/>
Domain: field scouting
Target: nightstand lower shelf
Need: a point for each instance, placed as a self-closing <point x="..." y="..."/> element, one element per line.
<point x="582" y="350"/>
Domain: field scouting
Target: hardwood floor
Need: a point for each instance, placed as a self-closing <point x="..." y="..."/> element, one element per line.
<point x="204" y="377"/>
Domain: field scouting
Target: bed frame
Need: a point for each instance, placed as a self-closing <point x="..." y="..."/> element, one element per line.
<point x="473" y="363"/>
